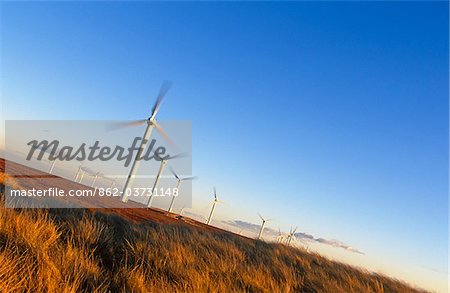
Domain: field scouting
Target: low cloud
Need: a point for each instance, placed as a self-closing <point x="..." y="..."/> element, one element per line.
<point x="244" y="225"/>
<point x="302" y="235"/>
<point x="299" y="235"/>
<point x="337" y="243"/>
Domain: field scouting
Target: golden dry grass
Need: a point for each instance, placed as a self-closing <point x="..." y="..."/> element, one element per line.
<point x="79" y="251"/>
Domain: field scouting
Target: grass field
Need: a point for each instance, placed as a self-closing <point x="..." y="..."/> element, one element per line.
<point x="80" y="250"/>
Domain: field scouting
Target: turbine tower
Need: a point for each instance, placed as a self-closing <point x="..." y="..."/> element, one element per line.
<point x="151" y="123"/>
<point x="208" y="221"/>
<point x="80" y="178"/>
<point x="158" y="175"/>
<point x="52" y="166"/>
<point x="96" y="175"/>
<point x="179" y="180"/>
<point x="262" y="225"/>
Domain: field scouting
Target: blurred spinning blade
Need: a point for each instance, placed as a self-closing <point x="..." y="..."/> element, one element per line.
<point x="162" y="93"/>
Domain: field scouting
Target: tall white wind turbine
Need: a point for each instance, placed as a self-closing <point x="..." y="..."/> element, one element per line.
<point x="213" y="207"/>
<point x="151" y="123"/>
<point x="177" y="187"/>
<point x="264" y="221"/>
<point x="158" y="176"/>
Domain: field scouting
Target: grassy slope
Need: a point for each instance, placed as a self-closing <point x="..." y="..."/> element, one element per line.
<point x="77" y="250"/>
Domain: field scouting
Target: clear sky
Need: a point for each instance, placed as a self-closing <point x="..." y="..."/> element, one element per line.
<point x="332" y="116"/>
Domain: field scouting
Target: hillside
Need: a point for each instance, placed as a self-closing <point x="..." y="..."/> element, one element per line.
<point x="140" y="250"/>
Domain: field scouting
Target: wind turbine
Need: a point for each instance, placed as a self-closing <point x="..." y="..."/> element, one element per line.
<point x="151" y="123"/>
<point x="158" y="175"/>
<point x="96" y="175"/>
<point x="177" y="187"/>
<point x="77" y="175"/>
<point x="280" y="236"/>
<point x="213" y="207"/>
<point x="84" y="171"/>
<point x="290" y="236"/>
<point x="262" y="225"/>
<point x="113" y="183"/>
<point x="52" y="165"/>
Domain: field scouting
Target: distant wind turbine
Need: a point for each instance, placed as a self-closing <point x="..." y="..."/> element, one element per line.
<point x="177" y="187"/>
<point x="84" y="170"/>
<point x="113" y="183"/>
<point x="262" y="225"/>
<point x="52" y="165"/>
<point x="77" y="175"/>
<point x="181" y="210"/>
<point x="280" y="236"/>
<point x="208" y="221"/>
<point x="290" y="236"/>
<point x="96" y="175"/>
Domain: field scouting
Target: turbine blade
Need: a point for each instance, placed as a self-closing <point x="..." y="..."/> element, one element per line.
<point x="87" y="170"/>
<point x="174" y="174"/>
<point x="189" y="178"/>
<point x="118" y="125"/>
<point x="260" y="216"/>
<point x="164" y="133"/>
<point x="162" y="93"/>
<point x="180" y="155"/>
<point x="215" y="193"/>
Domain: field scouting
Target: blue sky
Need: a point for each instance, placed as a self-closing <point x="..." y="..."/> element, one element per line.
<point x="332" y="116"/>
